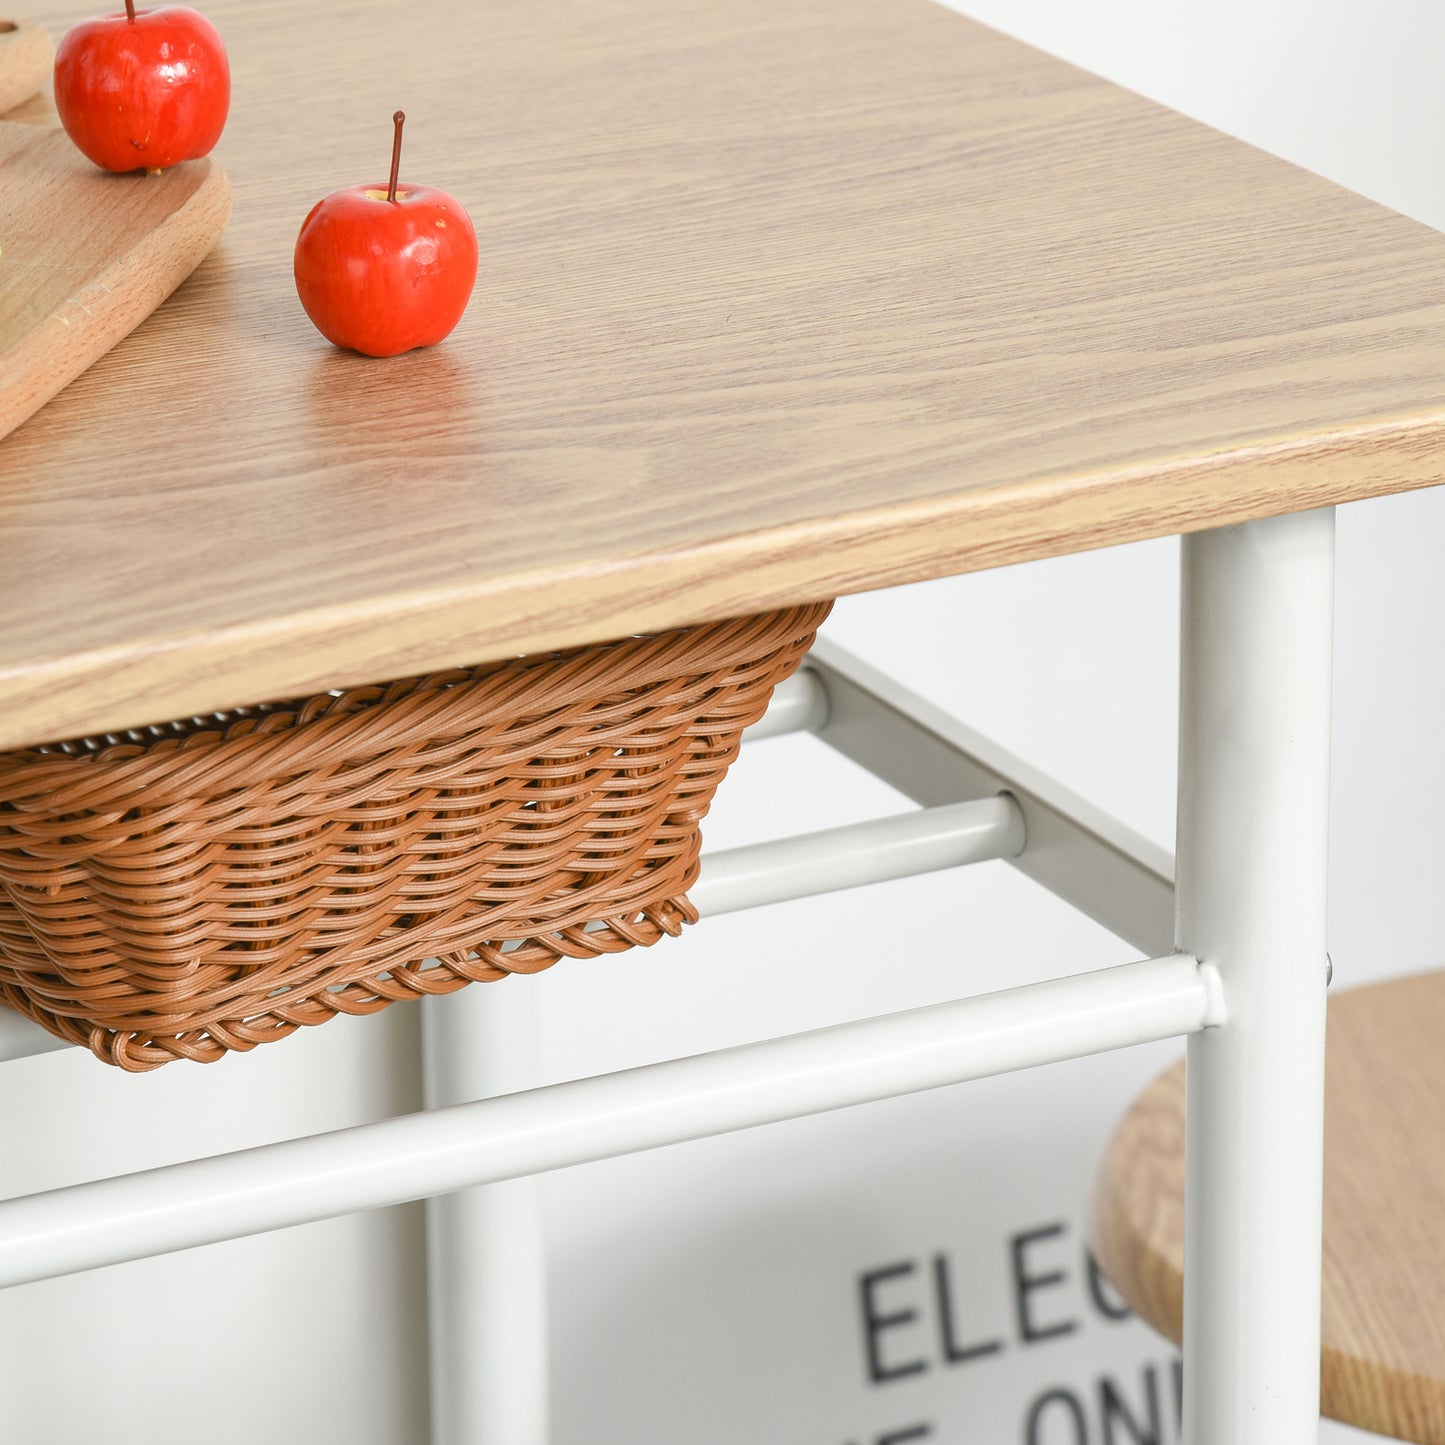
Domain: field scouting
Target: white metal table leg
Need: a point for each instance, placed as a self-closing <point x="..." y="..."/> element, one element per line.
<point x="486" y="1262"/>
<point x="1251" y="876"/>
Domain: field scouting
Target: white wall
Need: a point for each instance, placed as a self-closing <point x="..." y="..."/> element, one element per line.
<point x="711" y="1293"/>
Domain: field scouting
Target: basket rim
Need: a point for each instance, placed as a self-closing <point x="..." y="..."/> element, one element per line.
<point x="416" y="705"/>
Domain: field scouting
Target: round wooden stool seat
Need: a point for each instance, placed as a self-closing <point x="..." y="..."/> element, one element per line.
<point x="1383" y="1359"/>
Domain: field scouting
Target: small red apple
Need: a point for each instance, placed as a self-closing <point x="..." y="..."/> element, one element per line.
<point x="383" y="269"/>
<point x="145" y="89"/>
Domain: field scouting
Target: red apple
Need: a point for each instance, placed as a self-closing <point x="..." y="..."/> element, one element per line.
<point x="143" y="89"/>
<point x="383" y="269"/>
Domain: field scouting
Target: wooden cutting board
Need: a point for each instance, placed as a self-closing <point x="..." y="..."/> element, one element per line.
<point x="85" y="257"/>
<point x="26" y="55"/>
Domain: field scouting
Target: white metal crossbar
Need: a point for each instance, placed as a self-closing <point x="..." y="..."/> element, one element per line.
<point x="873" y="852"/>
<point x="419" y="1155"/>
<point x="1075" y="850"/>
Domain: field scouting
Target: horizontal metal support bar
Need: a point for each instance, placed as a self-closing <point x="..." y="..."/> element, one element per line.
<point x="870" y="852"/>
<point x="134" y="1216"/>
<point x="1075" y="850"/>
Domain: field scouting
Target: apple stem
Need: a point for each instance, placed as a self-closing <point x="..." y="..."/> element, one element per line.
<point x="398" y="120"/>
<point x="130" y="11"/>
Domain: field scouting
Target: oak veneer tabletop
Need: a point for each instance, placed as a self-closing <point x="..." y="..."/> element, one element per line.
<point x="1383" y="1353"/>
<point x="778" y="299"/>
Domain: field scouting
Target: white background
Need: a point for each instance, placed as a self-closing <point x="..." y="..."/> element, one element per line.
<point x="709" y="1293"/>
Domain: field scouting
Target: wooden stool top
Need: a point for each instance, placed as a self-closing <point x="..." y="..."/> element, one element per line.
<point x="778" y="299"/>
<point x="1383" y="1361"/>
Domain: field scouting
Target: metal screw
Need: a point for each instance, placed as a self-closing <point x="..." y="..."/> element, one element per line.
<point x="1329" y="970"/>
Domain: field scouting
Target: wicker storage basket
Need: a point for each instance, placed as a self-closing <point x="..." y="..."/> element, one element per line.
<point x="216" y="883"/>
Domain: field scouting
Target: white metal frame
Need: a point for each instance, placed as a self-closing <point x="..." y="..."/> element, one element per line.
<point x="1245" y="983"/>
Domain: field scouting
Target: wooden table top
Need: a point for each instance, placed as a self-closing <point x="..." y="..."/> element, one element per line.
<point x="778" y="299"/>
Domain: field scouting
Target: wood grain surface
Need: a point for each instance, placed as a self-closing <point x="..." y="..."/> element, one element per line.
<point x="778" y="299"/>
<point x="87" y="256"/>
<point x="26" y="55"/>
<point x="1383" y="1360"/>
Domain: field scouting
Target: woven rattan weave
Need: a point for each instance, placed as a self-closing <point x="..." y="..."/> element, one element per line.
<point x="216" y="883"/>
